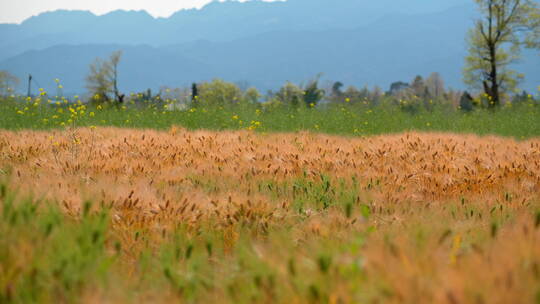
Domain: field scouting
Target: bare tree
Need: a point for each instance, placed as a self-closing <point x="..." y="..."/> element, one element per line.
<point x="114" y="61"/>
<point x="8" y="83"/>
<point x="102" y="80"/>
<point x="377" y="93"/>
<point x="435" y="85"/>
<point x="494" y="44"/>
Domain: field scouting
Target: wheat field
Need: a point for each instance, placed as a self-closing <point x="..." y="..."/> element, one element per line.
<point x="242" y="217"/>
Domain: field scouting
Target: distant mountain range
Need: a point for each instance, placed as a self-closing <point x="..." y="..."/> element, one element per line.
<point x="263" y="44"/>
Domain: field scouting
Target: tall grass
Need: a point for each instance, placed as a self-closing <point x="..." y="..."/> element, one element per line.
<point x="519" y="121"/>
<point x="93" y="215"/>
<point x="343" y="253"/>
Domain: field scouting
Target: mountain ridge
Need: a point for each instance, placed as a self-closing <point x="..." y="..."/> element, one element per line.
<point x="216" y="21"/>
<point x="394" y="46"/>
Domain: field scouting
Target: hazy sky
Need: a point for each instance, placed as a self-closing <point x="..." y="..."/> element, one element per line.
<point x="15" y="11"/>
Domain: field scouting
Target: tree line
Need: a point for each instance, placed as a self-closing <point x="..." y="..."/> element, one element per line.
<point x="495" y="41"/>
<point x="503" y="30"/>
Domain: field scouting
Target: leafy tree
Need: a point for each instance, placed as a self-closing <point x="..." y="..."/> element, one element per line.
<point x="102" y="80"/>
<point x="352" y="94"/>
<point x="252" y="95"/>
<point x="466" y="102"/>
<point x="290" y="94"/>
<point x="8" y="83"/>
<point x="312" y="93"/>
<point x="495" y="42"/>
<point x="336" y="89"/>
<point x="521" y="98"/>
<point x="418" y="86"/>
<point x="219" y="92"/>
<point x="532" y="40"/>
<point x="194" y="92"/>
<point x="398" y="86"/>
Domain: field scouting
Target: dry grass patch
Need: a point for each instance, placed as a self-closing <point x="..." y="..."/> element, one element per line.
<point x="241" y="217"/>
